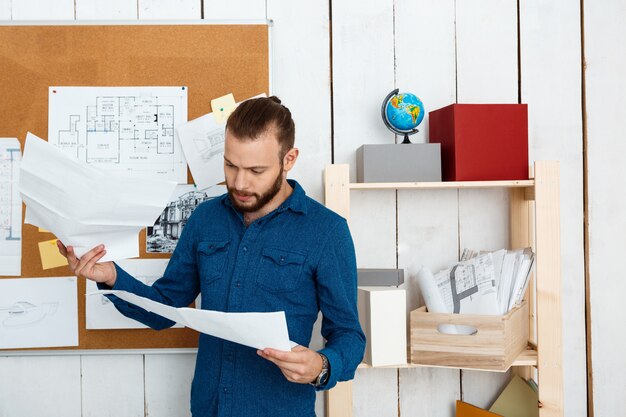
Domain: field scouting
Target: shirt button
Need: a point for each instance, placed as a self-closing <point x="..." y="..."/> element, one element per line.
<point x="245" y="249"/>
<point x="225" y="390"/>
<point x="238" y="284"/>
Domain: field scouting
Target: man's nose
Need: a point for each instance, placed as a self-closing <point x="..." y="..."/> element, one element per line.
<point x="241" y="180"/>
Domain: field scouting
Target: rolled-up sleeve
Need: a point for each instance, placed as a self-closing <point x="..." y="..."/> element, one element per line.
<point x="336" y="278"/>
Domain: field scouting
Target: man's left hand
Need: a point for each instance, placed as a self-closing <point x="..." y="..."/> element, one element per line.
<point x="301" y="365"/>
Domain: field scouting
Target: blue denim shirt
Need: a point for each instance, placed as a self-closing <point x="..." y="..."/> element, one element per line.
<point x="299" y="258"/>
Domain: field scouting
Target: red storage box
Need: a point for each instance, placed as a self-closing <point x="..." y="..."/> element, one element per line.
<point x="481" y="142"/>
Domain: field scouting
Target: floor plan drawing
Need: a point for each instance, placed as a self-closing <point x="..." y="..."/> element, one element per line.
<point x="38" y="312"/>
<point x="124" y="129"/>
<point x="10" y="208"/>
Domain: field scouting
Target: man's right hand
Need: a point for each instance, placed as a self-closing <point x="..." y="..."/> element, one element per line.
<point x="87" y="266"/>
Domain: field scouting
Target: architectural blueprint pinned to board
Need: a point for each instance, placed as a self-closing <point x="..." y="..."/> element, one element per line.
<point x="128" y="129"/>
<point x="10" y="208"/>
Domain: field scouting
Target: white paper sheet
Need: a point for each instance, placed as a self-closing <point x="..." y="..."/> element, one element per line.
<point x="84" y="206"/>
<point x="10" y="208"/>
<point x="257" y="330"/>
<point x="202" y="140"/>
<point x="163" y="236"/>
<point x="101" y="313"/>
<point x="38" y="312"/>
<point x="121" y="129"/>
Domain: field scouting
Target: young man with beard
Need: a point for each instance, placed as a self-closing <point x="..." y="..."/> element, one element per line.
<point x="263" y="246"/>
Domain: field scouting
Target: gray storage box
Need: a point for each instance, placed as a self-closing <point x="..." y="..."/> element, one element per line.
<point x="411" y="162"/>
<point x="370" y="277"/>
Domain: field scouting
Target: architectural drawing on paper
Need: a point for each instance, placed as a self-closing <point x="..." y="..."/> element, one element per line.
<point x="38" y="312"/>
<point x="164" y="235"/>
<point x="128" y="129"/>
<point x="10" y="223"/>
<point x="24" y="313"/>
<point x="210" y="145"/>
<point x="10" y="208"/>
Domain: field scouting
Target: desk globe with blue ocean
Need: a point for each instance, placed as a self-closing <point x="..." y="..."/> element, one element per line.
<point x="402" y="113"/>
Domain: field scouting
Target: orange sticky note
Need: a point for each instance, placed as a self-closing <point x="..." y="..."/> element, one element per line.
<point x="223" y="107"/>
<point x="464" y="409"/>
<point x="50" y="256"/>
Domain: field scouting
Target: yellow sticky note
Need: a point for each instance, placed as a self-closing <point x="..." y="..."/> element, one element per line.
<point x="50" y="256"/>
<point x="43" y="230"/>
<point x="223" y="107"/>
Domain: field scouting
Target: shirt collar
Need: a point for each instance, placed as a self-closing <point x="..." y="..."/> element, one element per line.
<point x="296" y="202"/>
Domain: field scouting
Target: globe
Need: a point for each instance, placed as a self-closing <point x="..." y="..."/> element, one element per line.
<point x="402" y="113"/>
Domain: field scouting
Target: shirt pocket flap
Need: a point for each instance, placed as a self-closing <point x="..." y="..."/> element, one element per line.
<point x="209" y="248"/>
<point x="283" y="257"/>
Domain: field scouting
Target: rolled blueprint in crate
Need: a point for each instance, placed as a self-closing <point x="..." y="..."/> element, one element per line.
<point x="382" y="314"/>
<point x="496" y="343"/>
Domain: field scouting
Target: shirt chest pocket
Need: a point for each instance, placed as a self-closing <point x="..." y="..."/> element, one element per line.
<point x="212" y="259"/>
<point x="280" y="270"/>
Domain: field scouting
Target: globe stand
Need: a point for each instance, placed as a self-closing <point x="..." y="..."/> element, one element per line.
<point x="383" y="113"/>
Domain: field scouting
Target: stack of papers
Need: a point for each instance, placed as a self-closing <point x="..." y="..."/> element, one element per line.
<point x="85" y="206"/>
<point x="489" y="283"/>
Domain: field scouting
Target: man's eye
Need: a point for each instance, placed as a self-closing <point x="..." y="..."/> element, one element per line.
<point x="256" y="171"/>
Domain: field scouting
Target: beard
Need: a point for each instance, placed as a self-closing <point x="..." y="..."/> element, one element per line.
<point x="260" y="200"/>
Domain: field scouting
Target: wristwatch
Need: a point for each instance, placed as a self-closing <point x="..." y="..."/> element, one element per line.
<point x="322" y="378"/>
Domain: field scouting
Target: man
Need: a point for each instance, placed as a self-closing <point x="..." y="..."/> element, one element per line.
<point x="264" y="246"/>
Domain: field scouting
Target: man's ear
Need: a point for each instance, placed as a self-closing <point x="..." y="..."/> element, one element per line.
<point x="290" y="158"/>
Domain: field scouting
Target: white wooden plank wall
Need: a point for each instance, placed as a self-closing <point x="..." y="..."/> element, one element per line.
<point x="444" y="51"/>
<point x="551" y="84"/>
<point x="112" y="385"/>
<point x="363" y="74"/>
<point x="33" y="386"/>
<point x="487" y="72"/>
<point x="606" y="83"/>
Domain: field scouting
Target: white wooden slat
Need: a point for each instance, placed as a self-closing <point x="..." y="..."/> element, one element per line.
<point x="427" y="220"/>
<point x="487" y="51"/>
<point x="487" y="72"/>
<point x="300" y="43"/>
<point x="242" y="9"/>
<point x="551" y="85"/>
<point x="438" y="383"/>
<point x="427" y="237"/>
<point x="484" y="218"/>
<point x="373" y="390"/>
<point x="485" y="387"/>
<point x="605" y="84"/>
<point x="5" y="9"/>
<point x="168" y="384"/>
<point x="373" y="228"/>
<point x="426" y="64"/>
<point x="167" y="9"/>
<point x="43" y="9"/>
<point x="112" y="386"/>
<point x="106" y="10"/>
<point x="40" y="386"/>
<point x="363" y="74"/>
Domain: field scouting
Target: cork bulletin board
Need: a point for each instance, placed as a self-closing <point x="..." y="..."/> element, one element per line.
<point x="210" y="59"/>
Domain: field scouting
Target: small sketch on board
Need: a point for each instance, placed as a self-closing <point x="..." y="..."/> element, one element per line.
<point x="100" y="311"/>
<point x="210" y="146"/>
<point x="24" y="313"/>
<point x="10" y="208"/>
<point x="164" y="235"/>
<point x="124" y="129"/>
<point x="38" y="312"/>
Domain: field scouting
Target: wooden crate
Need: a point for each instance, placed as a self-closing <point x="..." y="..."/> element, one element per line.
<point x="496" y="344"/>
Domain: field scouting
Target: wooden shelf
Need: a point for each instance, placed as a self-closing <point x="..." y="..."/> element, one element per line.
<point x="440" y="185"/>
<point x="526" y="358"/>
